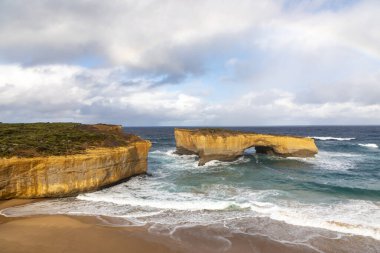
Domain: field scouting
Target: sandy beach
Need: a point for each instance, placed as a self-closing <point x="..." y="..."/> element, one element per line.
<point x="74" y="234"/>
<point x="62" y="233"/>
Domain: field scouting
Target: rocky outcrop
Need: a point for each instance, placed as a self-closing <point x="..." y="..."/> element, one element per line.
<point x="226" y="145"/>
<point x="61" y="176"/>
<point x="108" y="128"/>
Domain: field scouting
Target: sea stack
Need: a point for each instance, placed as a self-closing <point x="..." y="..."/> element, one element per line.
<point x="64" y="159"/>
<point x="226" y="145"/>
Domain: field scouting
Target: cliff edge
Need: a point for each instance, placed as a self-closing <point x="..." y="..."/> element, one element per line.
<point x="63" y="159"/>
<point x="227" y="145"/>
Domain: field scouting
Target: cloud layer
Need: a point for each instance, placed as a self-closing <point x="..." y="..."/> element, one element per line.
<point x="190" y="62"/>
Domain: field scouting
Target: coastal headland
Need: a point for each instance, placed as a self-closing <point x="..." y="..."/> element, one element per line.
<point x="63" y="159"/>
<point x="226" y="145"/>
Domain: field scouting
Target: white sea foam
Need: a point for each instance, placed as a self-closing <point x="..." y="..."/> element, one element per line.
<point x="171" y="153"/>
<point x="360" y="217"/>
<point x="302" y="159"/>
<point x="162" y="195"/>
<point x="191" y="160"/>
<point x="330" y="138"/>
<point x="188" y="205"/>
<point x="369" y="145"/>
<point x="332" y="160"/>
<point x="215" y="163"/>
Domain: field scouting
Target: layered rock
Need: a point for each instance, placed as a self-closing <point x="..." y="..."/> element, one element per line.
<point x="226" y="145"/>
<point x="61" y="176"/>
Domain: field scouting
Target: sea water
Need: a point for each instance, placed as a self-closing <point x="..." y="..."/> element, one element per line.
<point x="336" y="192"/>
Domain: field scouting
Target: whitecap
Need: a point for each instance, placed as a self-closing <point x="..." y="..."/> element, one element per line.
<point x="369" y="145"/>
<point x="332" y="160"/>
<point x="330" y="138"/>
<point x="215" y="163"/>
<point x="171" y="153"/>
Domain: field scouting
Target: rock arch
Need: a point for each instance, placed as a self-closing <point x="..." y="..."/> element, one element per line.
<point x="227" y="145"/>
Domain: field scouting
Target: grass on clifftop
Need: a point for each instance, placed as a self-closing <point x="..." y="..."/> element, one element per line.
<point x="43" y="139"/>
<point x="229" y="132"/>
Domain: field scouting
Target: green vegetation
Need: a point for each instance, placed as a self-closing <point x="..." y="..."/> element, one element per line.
<point x="43" y="139"/>
<point x="228" y="132"/>
<point x="220" y="131"/>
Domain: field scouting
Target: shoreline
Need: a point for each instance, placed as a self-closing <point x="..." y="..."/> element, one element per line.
<point x="62" y="233"/>
<point x="66" y="233"/>
<point x="69" y="233"/>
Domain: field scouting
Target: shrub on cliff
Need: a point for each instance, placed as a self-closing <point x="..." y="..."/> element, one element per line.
<point x="43" y="139"/>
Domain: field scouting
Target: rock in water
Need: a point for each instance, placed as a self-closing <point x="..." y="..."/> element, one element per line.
<point x="227" y="145"/>
<point x="109" y="157"/>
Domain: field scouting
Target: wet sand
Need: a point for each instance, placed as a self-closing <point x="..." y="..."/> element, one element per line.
<point x="68" y="234"/>
<point x="62" y="233"/>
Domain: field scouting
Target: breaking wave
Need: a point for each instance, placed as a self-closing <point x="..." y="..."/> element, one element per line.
<point x="329" y="138"/>
<point x="369" y="145"/>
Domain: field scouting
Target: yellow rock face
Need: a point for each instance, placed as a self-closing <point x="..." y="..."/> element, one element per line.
<point x="229" y="145"/>
<point x="60" y="176"/>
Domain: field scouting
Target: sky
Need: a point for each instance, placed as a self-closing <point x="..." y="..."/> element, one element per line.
<point x="190" y="63"/>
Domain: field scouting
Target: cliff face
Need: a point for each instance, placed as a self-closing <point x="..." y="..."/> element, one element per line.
<point x="225" y="145"/>
<point x="60" y="176"/>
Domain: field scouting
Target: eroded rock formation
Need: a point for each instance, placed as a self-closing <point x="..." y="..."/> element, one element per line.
<point x="60" y="176"/>
<point x="226" y="145"/>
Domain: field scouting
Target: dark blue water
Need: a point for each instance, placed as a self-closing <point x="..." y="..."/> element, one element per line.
<point x="338" y="190"/>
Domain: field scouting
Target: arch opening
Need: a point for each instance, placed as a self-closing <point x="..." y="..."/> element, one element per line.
<point x="265" y="150"/>
<point x="259" y="150"/>
<point x="250" y="151"/>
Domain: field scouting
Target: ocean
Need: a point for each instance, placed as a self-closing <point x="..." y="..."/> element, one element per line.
<point x="335" y="194"/>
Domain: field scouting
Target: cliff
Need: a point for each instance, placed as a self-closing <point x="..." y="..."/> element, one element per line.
<point x="226" y="145"/>
<point x="46" y="139"/>
<point x="102" y="163"/>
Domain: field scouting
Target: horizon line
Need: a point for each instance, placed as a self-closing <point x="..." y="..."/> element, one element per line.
<point x="216" y="126"/>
